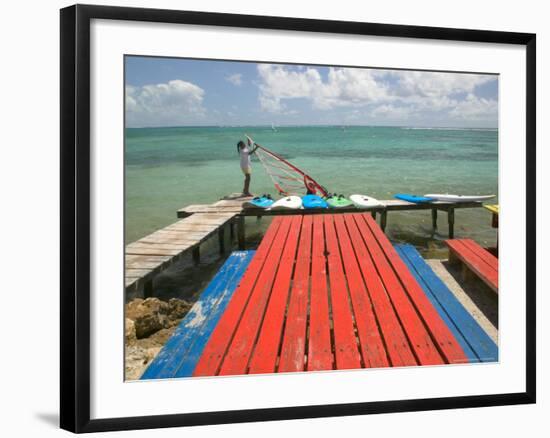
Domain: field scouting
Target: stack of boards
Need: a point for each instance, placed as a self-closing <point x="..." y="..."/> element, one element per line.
<point x="313" y="202"/>
<point x="359" y="201"/>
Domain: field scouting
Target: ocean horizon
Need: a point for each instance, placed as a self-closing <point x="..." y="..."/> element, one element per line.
<point x="167" y="168"/>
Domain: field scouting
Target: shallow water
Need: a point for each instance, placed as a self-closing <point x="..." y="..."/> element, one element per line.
<point x="168" y="168"/>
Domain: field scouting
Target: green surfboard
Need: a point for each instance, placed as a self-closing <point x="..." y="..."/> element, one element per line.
<point x="338" y="201"/>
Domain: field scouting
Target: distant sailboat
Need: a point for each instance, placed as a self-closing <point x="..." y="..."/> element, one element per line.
<point x="273" y="127"/>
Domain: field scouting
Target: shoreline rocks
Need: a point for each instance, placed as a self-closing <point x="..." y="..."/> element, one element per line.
<point x="149" y="323"/>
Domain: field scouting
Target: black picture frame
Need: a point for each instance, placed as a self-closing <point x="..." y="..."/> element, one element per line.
<point x="75" y="217"/>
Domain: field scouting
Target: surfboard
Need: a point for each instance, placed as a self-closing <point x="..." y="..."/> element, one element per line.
<point x="459" y="198"/>
<point x="413" y="198"/>
<point x="364" y="201"/>
<point x="287" y="202"/>
<point x="338" y="201"/>
<point x="263" y="201"/>
<point x="313" y="201"/>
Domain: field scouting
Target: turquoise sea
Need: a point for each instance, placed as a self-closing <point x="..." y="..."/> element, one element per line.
<point x="168" y="168"/>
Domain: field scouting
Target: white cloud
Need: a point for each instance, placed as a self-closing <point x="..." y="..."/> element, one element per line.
<point x="477" y="108"/>
<point x="386" y="94"/>
<point x="345" y="87"/>
<point x="174" y="103"/>
<point x="235" y="79"/>
<point x="435" y="84"/>
<point x="390" y="112"/>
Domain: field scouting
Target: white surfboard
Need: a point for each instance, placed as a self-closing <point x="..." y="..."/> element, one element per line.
<point x="287" y="202"/>
<point x="364" y="201"/>
<point x="459" y="198"/>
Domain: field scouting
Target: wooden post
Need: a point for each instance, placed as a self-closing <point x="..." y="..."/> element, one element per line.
<point x="148" y="289"/>
<point x="240" y="232"/>
<point x="434" y="218"/>
<point x="451" y="220"/>
<point x="383" y="219"/>
<point x="232" y="230"/>
<point x="196" y="253"/>
<point x="373" y="214"/>
<point x="221" y="238"/>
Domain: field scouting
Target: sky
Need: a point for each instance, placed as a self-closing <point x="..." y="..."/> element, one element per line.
<point x="187" y="92"/>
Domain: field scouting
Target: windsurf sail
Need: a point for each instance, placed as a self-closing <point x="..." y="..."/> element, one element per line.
<point x="286" y="177"/>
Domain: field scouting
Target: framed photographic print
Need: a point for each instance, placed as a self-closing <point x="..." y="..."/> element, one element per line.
<point x="290" y="218"/>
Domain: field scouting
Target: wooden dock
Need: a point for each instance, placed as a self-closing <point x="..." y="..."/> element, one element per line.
<point x="148" y="256"/>
<point x="236" y="206"/>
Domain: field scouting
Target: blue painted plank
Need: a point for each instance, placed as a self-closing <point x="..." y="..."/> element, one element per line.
<point x="468" y="332"/>
<point x="181" y="352"/>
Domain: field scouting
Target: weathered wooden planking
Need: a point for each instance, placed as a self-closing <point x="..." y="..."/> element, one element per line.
<point x="397" y="346"/>
<point x="443" y="337"/>
<point x="372" y="346"/>
<point x="420" y="340"/>
<point x="294" y="340"/>
<point x="157" y="245"/>
<point x="145" y="262"/>
<point x="345" y="344"/>
<point x="319" y="349"/>
<point x="477" y="259"/>
<point x="475" y="342"/>
<point x="266" y="352"/>
<point x="181" y="353"/>
<point x="196" y="236"/>
<point x="212" y="356"/>
<point x="238" y="354"/>
<point x="155" y="251"/>
<point x="136" y="273"/>
<point x="485" y="255"/>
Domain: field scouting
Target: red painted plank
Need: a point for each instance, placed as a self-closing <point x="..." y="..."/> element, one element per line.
<point x="216" y="347"/>
<point x="370" y="340"/>
<point x="397" y="345"/>
<point x="264" y="357"/>
<point x="483" y="254"/>
<point x="441" y="334"/>
<point x="294" y="340"/>
<point x="319" y="355"/>
<point x="419" y="338"/>
<point x="345" y="344"/>
<point x="238" y="354"/>
<point x="474" y="262"/>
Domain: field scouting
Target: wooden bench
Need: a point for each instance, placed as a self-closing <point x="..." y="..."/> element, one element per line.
<point x="475" y="258"/>
<point x="327" y="292"/>
<point x="475" y="342"/>
<point x="180" y="354"/>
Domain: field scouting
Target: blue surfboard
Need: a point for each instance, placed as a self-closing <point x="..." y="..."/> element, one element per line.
<point x="413" y="198"/>
<point x="314" y="201"/>
<point x="263" y="201"/>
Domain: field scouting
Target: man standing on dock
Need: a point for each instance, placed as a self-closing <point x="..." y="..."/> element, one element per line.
<point x="246" y="166"/>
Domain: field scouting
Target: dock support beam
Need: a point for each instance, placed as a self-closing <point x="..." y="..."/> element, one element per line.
<point x="451" y="220"/>
<point x="196" y="253"/>
<point x="148" y="289"/>
<point x="221" y="239"/>
<point x="383" y="219"/>
<point x="240" y="232"/>
<point x="434" y="218"/>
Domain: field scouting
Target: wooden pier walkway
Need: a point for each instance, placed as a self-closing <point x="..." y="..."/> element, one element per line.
<point x="148" y="256"/>
<point x="236" y="206"/>
<point x="327" y="292"/>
